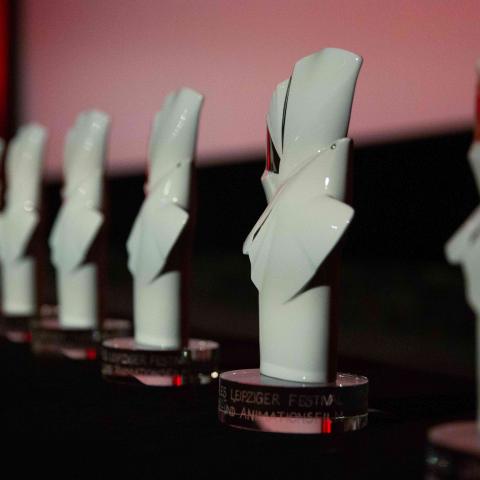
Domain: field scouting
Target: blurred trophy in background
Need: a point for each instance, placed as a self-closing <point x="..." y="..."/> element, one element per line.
<point x="159" y="248"/>
<point x="20" y="232"/>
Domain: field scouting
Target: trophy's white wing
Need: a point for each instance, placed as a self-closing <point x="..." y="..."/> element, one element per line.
<point x="72" y="235"/>
<point x="23" y="166"/>
<point x="257" y="228"/>
<point x="23" y="177"/>
<point x="158" y="123"/>
<point x="471" y="269"/>
<point x="318" y="105"/>
<point x="175" y="135"/>
<point x="325" y="174"/>
<point x="16" y="229"/>
<point x="85" y="148"/>
<point x="276" y="113"/>
<point x="464" y="238"/>
<point x="287" y="253"/>
<point x="154" y="233"/>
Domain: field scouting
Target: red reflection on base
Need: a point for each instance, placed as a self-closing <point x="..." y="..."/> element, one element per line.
<point x="269" y="153"/>
<point x="477" y="120"/>
<point x="177" y="380"/>
<point x="326" y="425"/>
<point x="91" y="353"/>
<point x="18" y="337"/>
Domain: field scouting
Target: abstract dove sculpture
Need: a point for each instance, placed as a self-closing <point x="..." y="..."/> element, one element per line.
<point x="79" y="221"/>
<point x="19" y="221"/>
<point x="463" y="248"/>
<point x="292" y="242"/>
<point x="454" y="448"/>
<point x="163" y="221"/>
<point x="293" y="250"/>
<point x="161" y="354"/>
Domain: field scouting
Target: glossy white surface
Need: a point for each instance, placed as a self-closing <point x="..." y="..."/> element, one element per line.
<point x="161" y="220"/>
<point x="463" y="248"/>
<point x="305" y="217"/>
<point x="20" y="217"/>
<point x="79" y="219"/>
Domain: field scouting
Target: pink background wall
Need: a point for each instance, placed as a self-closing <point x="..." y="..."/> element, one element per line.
<point x="123" y="56"/>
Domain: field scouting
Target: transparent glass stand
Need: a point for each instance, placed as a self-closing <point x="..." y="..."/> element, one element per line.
<point x="49" y="338"/>
<point x="18" y="328"/>
<point x="125" y="361"/>
<point x="453" y="451"/>
<point x="252" y="401"/>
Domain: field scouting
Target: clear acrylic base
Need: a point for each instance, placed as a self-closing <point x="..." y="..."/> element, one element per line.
<point x="18" y="328"/>
<point x="49" y="338"/>
<point x="125" y="361"/>
<point x="252" y="401"/>
<point x="453" y="451"/>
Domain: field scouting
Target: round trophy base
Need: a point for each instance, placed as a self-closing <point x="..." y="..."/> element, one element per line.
<point x="252" y="401"/>
<point x="453" y="451"/>
<point x="49" y="338"/>
<point x="125" y="361"/>
<point x="16" y="328"/>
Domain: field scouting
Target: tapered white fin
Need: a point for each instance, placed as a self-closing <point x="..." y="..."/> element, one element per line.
<point x="275" y="114"/>
<point x="319" y="104"/>
<point x="154" y="233"/>
<point x="79" y="220"/>
<point x="324" y="174"/>
<point x="176" y="134"/>
<point x="161" y="220"/>
<point x="20" y="218"/>
<point x="16" y="230"/>
<point x="287" y="259"/>
<point x="302" y="224"/>
<point x="23" y="178"/>
<point x="158" y="123"/>
<point x="464" y="238"/>
<point x="73" y="233"/>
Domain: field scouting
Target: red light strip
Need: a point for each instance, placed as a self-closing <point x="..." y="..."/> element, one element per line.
<point x="269" y="153"/>
<point x="477" y="119"/>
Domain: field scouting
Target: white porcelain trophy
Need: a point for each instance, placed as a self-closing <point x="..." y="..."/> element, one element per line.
<point x="20" y="242"/>
<point x="454" y="448"/>
<point x="293" y="251"/>
<point x="77" y="243"/>
<point x="159" y="248"/>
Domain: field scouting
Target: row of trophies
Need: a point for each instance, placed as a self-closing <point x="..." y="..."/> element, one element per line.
<point x="293" y="250"/>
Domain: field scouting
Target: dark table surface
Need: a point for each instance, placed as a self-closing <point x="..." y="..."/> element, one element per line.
<point x="59" y="418"/>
